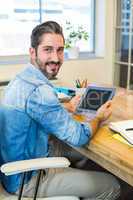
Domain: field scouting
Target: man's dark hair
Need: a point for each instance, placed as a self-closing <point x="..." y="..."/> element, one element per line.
<point x="46" y="27"/>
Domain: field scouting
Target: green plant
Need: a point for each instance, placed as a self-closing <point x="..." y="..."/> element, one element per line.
<point x="74" y="35"/>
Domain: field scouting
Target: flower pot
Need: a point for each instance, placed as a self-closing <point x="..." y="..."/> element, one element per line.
<point x="73" y="52"/>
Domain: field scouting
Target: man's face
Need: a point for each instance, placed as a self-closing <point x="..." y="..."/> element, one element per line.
<point x="49" y="55"/>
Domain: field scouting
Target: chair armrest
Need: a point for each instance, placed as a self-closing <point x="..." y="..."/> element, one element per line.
<point x="16" y="167"/>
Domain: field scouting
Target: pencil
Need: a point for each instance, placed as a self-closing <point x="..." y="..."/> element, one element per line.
<point x="78" y="84"/>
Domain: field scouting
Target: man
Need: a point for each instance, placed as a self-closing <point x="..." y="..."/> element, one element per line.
<point x="35" y="112"/>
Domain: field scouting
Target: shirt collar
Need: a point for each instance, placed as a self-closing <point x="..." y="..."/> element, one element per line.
<point x="32" y="73"/>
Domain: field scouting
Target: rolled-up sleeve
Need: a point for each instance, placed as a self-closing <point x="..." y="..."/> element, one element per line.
<point x="44" y="107"/>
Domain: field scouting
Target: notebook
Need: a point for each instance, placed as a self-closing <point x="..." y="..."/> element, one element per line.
<point x="124" y="128"/>
<point x="93" y="98"/>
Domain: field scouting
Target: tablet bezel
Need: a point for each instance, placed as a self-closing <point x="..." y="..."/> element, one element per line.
<point x="110" y="89"/>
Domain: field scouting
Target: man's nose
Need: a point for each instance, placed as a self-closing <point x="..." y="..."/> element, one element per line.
<point x="55" y="56"/>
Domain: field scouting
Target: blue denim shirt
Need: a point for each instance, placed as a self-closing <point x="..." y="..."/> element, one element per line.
<point x="32" y="111"/>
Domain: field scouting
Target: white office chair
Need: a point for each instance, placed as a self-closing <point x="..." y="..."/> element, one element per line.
<point x="29" y="165"/>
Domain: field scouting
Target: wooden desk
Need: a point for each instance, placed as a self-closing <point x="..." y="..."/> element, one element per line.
<point x="108" y="152"/>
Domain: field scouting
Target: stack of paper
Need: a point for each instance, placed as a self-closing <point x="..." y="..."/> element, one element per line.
<point x="124" y="128"/>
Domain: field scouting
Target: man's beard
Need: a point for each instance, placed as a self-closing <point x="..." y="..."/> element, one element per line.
<point x="44" y="71"/>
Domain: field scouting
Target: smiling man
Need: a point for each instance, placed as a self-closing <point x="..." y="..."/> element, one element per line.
<point x="51" y="46"/>
<point x="33" y="112"/>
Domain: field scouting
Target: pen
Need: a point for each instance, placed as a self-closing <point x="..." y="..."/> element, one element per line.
<point x="78" y="84"/>
<point x="129" y="129"/>
<point x="84" y="83"/>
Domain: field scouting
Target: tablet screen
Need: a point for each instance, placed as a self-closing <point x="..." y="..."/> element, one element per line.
<point x="94" y="97"/>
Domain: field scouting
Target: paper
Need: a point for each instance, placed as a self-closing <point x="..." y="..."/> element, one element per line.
<point x="63" y="97"/>
<point x="121" y="139"/>
<point x="124" y="128"/>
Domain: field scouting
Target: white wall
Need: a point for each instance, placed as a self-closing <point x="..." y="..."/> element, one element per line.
<point x="93" y="70"/>
<point x="99" y="70"/>
<point x="8" y="72"/>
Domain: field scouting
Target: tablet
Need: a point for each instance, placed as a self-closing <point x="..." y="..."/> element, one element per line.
<point x="94" y="97"/>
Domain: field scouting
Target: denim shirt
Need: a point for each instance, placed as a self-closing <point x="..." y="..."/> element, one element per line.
<point x="32" y="111"/>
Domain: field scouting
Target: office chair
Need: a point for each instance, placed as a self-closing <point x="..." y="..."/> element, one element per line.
<point x="24" y="167"/>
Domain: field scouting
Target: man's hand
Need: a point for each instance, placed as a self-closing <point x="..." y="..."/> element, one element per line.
<point x="104" y="111"/>
<point x="72" y="104"/>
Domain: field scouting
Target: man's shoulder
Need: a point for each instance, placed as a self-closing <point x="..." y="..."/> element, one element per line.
<point x="30" y="75"/>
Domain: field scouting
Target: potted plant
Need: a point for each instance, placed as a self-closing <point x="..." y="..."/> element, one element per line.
<point x="73" y="36"/>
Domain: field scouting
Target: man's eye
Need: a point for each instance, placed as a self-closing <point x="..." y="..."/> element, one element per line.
<point x="48" y="50"/>
<point x="60" y="50"/>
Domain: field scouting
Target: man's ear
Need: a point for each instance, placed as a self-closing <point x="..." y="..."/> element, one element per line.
<point x="32" y="53"/>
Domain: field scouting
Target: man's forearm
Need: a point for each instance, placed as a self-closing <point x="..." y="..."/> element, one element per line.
<point x="95" y="123"/>
<point x="68" y="106"/>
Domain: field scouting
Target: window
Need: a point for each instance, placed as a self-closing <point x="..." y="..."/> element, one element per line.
<point x="124" y="45"/>
<point x="19" y="17"/>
